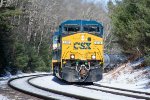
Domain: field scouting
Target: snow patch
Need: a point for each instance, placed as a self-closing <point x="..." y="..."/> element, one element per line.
<point x="20" y="75"/>
<point x="3" y="97"/>
<point x="127" y="77"/>
<point x="53" y="83"/>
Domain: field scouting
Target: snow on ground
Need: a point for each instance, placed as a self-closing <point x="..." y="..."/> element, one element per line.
<point x="4" y="80"/>
<point x="20" y="75"/>
<point x="4" y="87"/>
<point x="129" y="76"/>
<point x="7" y="93"/>
<point x="126" y="76"/>
<point x="3" y="97"/>
<point x="27" y="74"/>
<point x="22" y="84"/>
<point x="53" y="83"/>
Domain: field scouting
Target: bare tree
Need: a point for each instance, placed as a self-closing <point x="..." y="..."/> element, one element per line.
<point x="39" y="19"/>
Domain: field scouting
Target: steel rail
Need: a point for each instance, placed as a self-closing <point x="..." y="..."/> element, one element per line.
<point x="146" y="97"/>
<point x="59" y="92"/>
<point x="28" y="92"/>
<point x="134" y="91"/>
<point x="117" y="93"/>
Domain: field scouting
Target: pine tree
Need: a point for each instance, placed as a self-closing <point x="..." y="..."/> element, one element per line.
<point x="6" y="36"/>
<point x="130" y="22"/>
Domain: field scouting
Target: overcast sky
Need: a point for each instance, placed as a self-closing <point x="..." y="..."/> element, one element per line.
<point x="104" y="2"/>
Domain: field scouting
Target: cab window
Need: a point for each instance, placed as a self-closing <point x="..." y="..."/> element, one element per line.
<point x="91" y="28"/>
<point x="71" y="28"/>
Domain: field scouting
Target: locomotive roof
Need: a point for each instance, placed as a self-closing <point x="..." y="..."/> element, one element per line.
<point x="81" y="22"/>
<point x="78" y="22"/>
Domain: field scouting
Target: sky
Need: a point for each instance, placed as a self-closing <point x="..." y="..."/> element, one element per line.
<point x="104" y="2"/>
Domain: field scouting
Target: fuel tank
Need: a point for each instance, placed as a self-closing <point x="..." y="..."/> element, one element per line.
<point x="111" y="60"/>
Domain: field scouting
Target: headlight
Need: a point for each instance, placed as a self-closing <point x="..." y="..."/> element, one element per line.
<point x="66" y="42"/>
<point x="72" y="56"/>
<point x="98" y="42"/>
<point x="93" y="57"/>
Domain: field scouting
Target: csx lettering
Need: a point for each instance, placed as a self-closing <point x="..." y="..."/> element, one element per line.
<point x="82" y="45"/>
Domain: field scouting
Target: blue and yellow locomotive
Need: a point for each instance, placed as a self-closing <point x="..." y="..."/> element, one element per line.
<point x="78" y="51"/>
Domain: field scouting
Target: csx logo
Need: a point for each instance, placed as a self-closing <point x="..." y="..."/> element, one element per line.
<point x="82" y="45"/>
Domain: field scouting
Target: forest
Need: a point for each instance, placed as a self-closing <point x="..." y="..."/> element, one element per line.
<point x="27" y="27"/>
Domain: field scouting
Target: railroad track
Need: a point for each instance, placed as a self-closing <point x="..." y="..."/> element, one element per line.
<point x="59" y="92"/>
<point x="26" y="88"/>
<point x="49" y="93"/>
<point x="140" y="92"/>
<point x="88" y="88"/>
<point x="118" y="91"/>
<point x="41" y="92"/>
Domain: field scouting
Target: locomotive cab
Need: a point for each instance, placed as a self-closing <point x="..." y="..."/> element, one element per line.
<point x="79" y="53"/>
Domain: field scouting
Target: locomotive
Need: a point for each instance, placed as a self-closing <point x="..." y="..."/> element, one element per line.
<point x="77" y="54"/>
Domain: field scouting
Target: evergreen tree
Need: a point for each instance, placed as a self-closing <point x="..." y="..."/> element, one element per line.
<point x="131" y="25"/>
<point x="24" y="40"/>
<point x="20" y="57"/>
<point x="6" y="36"/>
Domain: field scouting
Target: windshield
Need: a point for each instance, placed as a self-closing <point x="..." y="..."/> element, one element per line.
<point x="71" y="28"/>
<point x="91" y="28"/>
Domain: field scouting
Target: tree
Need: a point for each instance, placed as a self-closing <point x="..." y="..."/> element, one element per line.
<point x="28" y="44"/>
<point x="131" y="25"/>
<point x="6" y="36"/>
